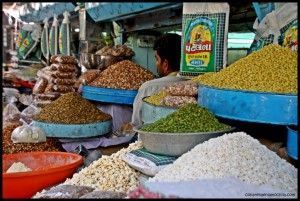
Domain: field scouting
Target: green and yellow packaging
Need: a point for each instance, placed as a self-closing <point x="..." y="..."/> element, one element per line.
<point x="204" y="42"/>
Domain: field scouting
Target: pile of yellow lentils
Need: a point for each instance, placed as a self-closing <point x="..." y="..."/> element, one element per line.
<point x="271" y="69"/>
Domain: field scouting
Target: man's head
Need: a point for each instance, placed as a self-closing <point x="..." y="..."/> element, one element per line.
<point x="167" y="53"/>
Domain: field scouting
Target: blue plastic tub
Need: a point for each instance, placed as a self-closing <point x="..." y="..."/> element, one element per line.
<point x="109" y="95"/>
<point x="292" y="143"/>
<point x="152" y="113"/>
<point x="74" y="130"/>
<point x="262" y="9"/>
<point x="278" y="109"/>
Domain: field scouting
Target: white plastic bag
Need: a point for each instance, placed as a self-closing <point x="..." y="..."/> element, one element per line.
<point x="142" y="164"/>
<point x="29" y="112"/>
<point x="28" y="134"/>
<point x="273" y="26"/>
<point x="11" y="113"/>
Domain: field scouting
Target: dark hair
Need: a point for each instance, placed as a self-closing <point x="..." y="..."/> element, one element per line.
<point x="168" y="47"/>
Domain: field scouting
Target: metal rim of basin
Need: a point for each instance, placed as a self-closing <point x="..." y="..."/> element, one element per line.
<point x="61" y="124"/>
<point x="247" y="91"/>
<point x="137" y="129"/>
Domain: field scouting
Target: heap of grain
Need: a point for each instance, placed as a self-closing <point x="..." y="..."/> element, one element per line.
<point x="123" y="75"/>
<point x="190" y="118"/>
<point x="71" y="108"/>
<point x="232" y="155"/>
<point x="109" y="173"/>
<point x="271" y="69"/>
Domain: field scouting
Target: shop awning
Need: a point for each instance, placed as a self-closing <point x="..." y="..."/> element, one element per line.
<point x="47" y="11"/>
<point x="117" y="11"/>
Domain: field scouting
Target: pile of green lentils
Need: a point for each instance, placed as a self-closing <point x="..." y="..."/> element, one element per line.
<point x="270" y="69"/>
<point x="71" y="108"/>
<point x="190" y="118"/>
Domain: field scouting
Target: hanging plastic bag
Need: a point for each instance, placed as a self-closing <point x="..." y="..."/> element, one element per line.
<point x="64" y="35"/>
<point x="29" y="44"/>
<point x="11" y="113"/>
<point x="26" y="29"/>
<point x="273" y="27"/>
<point x="290" y="37"/>
<point x="205" y="30"/>
<point x="45" y="39"/>
<point x="28" y="134"/>
<point x="28" y="113"/>
<point x="53" y="37"/>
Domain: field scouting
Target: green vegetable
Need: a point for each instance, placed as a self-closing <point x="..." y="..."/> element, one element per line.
<point x="190" y="118"/>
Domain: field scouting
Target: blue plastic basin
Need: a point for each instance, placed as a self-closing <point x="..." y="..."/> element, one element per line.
<point x="278" y="109"/>
<point x="152" y="113"/>
<point x="292" y="143"/>
<point x="74" y="130"/>
<point x="109" y="95"/>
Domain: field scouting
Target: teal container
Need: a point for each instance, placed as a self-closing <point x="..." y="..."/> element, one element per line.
<point x="292" y="142"/>
<point x="74" y="130"/>
<point x="152" y="113"/>
<point x="108" y="95"/>
<point x="250" y="106"/>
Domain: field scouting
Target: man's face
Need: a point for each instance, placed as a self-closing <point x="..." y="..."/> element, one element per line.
<point x="159" y="64"/>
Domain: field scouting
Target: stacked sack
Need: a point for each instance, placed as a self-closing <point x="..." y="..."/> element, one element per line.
<point x="56" y="79"/>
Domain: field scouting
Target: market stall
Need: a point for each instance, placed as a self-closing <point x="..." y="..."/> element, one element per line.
<point x="225" y="130"/>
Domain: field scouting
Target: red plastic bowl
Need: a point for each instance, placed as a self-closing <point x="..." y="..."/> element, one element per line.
<point x="48" y="169"/>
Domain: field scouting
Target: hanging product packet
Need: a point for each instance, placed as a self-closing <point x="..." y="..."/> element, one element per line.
<point x="278" y="27"/>
<point x="64" y="35"/>
<point x="28" y="134"/>
<point x="45" y="40"/>
<point x="205" y="30"/>
<point x="26" y="29"/>
<point x="29" y="44"/>
<point x="53" y="37"/>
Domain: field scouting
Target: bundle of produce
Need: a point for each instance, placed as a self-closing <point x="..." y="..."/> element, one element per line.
<point x="190" y="118"/>
<point x="123" y="75"/>
<point x="109" y="173"/>
<point x="235" y="155"/>
<point x="175" y="95"/>
<point x="54" y="80"/>
<point x="157" y="98"/>
<point x="270" y="69"/>
<point x="71" y="108"/>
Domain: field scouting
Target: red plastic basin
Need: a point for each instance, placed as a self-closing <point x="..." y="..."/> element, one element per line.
<point x="48" y="169"/>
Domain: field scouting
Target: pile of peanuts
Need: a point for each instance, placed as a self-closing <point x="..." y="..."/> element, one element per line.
<point x="123" y="75"/>
<point x="109" y="173"/>
<point x="117" y="51"/>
